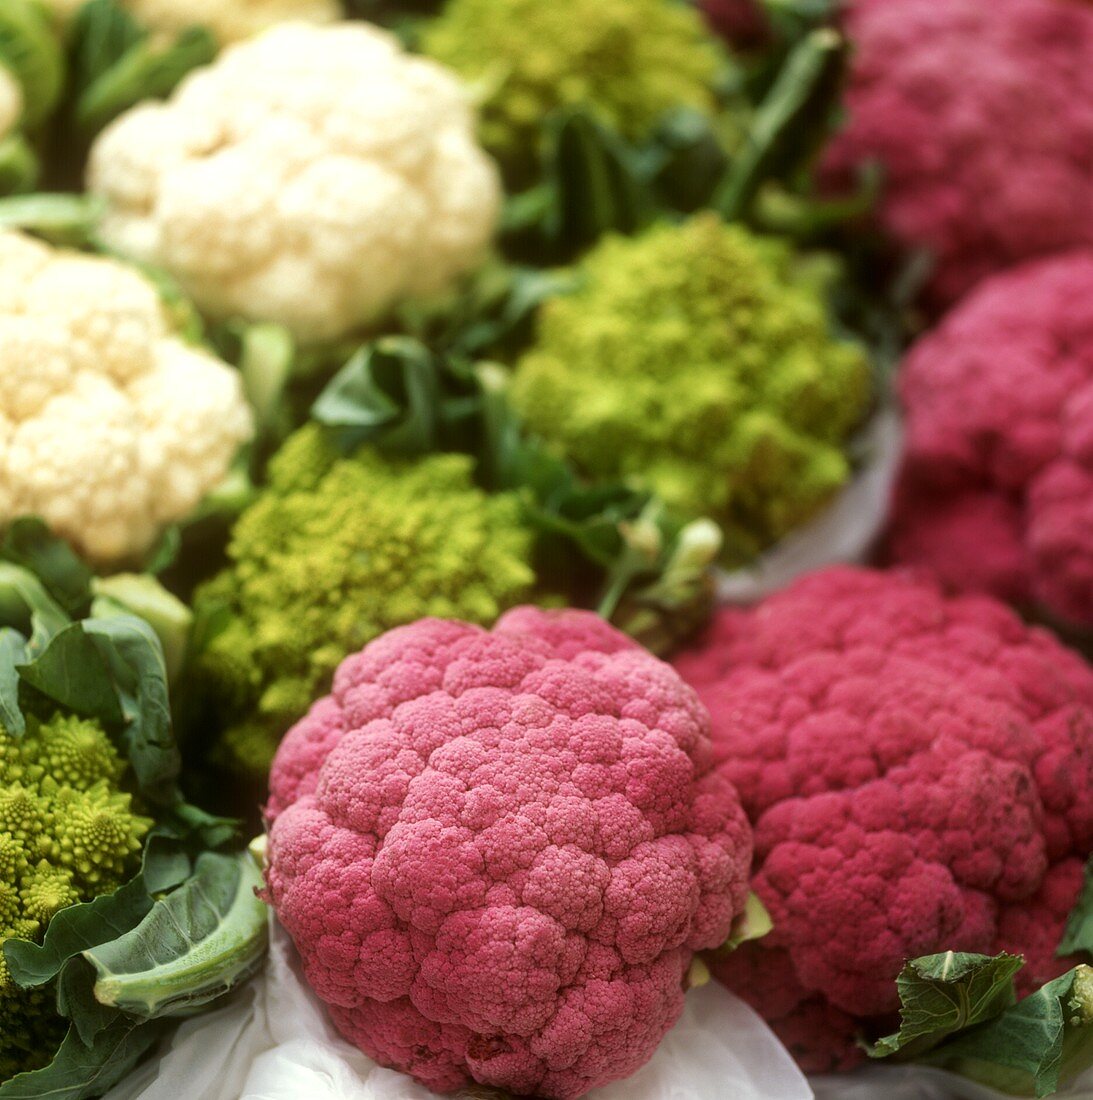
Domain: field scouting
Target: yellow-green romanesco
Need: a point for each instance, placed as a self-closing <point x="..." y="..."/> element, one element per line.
<point x="336" y="551"/>
<point x="68" y="833"/>
<point x="628" y="60"/>
<point x="698" y="360"/>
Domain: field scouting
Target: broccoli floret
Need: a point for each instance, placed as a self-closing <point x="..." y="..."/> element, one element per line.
<point x="629" y="60"/>
<point x="336" y="551"/>
<point x="67" y="834"/>
<point x="698" y="360"/>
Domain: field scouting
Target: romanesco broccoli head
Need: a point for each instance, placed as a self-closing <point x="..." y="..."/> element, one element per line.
<point x="67" y="834"/>
<point x="629" y="60"/>
<point x="336" y="551"/>
<point x="698" y="360"/>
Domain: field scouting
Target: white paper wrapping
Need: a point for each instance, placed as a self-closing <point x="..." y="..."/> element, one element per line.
<point x="274" y="1043"/>
<point x="844" y="532"/>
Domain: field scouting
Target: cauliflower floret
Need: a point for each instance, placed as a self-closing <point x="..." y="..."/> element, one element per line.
<point x="981" y="112"/>
<point x="311" y="176"/>
<point x="11" y="102"/>
<point x="497" y="851"/>
<point x="996" y="493"/>
<point x="919" y="772"/>
<point x="111" y="427"/>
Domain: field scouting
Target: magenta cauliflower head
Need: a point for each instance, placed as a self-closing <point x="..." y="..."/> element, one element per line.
<point x="997" y="488"/>
<point x="981" y="113"/>
<point x="497" y="850"/>
<point x="919" y="771"/>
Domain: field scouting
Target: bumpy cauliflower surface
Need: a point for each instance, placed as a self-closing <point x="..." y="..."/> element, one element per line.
<point x="919" y="771"/>
<point x="111" y="427"/>
<point x="336" y="551"/>
<point x="629" y="60"/>
<point x="311" y="176"/>
<point x="497" y="851"/>
<point x="229" y="20"/>
<point x="981" y="113"/>
<point x="695" y="359"/>
<point x="997" y="487"/>
<point x="67" y="834"/>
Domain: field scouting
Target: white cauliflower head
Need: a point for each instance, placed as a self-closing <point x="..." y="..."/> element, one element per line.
<point x="229" y="20"/>
<point x="111" y="427"/>
<point x="11" y="101"/>
<point x="313" y="176"/>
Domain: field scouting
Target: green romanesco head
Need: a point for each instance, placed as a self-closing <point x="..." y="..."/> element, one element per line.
<point x="336" y="551"/>
<point x="629" y="60"/>
<point x="67" y="833"/>
<point x="698" y="360"/>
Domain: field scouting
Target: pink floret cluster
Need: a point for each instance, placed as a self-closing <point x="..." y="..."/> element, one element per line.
<point x="919" y="771"/>
<point x="997" y="488"/>
<point x="981" y="114"/>
<point x="497" y="851"/>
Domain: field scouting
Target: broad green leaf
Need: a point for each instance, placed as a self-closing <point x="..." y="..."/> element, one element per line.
<point x="65" y="576"/>
<point x="74" y="930"/>
<point x="13" y="652"/>
<point x="76" y="1001"/>
<point x="79" y="1072"/>
<point x="19" y="165"/>
<point x="61" y="218"/>
<point x="1078" y="935"/>
<point x="1033" y="1047"/>
<point x="942" y="994"/>
<point x="192" y="947"/>
<point x="24" y="602"/>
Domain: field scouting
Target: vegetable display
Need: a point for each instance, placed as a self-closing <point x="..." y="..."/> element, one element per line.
<point x="997" y="491"/>
<point x="496" y="851"/>
<point x="919" y="771"/>
<point x="981" y="116"/>
<point x="112" y="427"/>
<point x="627" y="61"/>
<point x="699" y="360"/>
<point x="266" y="176"/>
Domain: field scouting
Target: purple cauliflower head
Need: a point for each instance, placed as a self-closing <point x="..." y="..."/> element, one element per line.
<point x="919" y="773"/>
<point x="996" y="493"/>
<point x="496" y="851"/>
<point x="981" y="113"/>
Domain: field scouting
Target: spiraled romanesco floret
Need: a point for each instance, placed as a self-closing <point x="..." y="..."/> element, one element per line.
<point x="697" y="360"/>
<point x="337" y="551"/>
<point x="630" y="60"/>
<point x="67" y="834"/>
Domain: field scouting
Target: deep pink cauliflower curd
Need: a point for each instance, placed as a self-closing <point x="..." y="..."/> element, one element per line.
<point x="497" y="851"/>
<point x="996" y="493"/>
<point x="981" y="112"/>
<point x="919" y="772"/>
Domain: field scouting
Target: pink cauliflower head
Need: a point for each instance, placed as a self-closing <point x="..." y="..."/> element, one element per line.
<point x="997" y="488"/>
<point x="919" y="773"/>
<point x="981" y="113"/>
<point x="496" y="851"/>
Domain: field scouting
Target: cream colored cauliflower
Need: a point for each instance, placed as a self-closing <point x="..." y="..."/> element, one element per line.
<point x="229" y="20"/>
<point x="313" y="176"/>
<point x="111" y="428"/>
<point x="11" y="102"/>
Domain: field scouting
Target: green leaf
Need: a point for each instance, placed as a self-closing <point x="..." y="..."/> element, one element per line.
<point x="24" y="602"/>
<point x="1078" y="934"/>
<point x="192" y="947"/>
<point x="62" y="219"/>
<point x="13" y="652"/>
<point x="789" y="123"/>
<point x="942" y="994"/>
<point x="66" y="577"/>
<point x="79" y="1072"/>
<point x="76" y="1001"/>
<point x="19" y="165"/>
<point x="1033" y="1047"/>
<point x="74" y="930"/>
